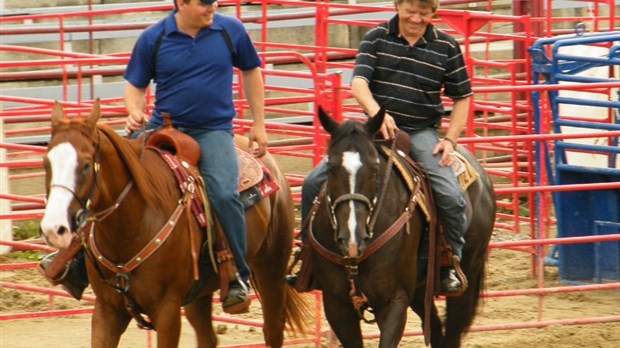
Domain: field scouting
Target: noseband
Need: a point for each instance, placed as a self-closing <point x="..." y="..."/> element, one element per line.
<point x="79" y="218"/>
<point x="356" y="197"/>
<point x="373" y="207"/>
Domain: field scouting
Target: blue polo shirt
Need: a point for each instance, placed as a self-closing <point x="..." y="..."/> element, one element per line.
<point x="194" y="75"/>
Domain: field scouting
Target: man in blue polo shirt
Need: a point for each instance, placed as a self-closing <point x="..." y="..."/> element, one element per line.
<point x="403" y="65"/>
<point x="190" y="55"/>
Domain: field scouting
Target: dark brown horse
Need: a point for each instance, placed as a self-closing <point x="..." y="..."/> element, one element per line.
<point x="367" y="232"/>
<point x="128" y="195"/>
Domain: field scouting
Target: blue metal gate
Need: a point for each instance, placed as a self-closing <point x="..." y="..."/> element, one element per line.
<point x="585" y="212"/>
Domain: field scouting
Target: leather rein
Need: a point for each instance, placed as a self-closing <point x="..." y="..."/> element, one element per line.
<point x="359" y="300"/>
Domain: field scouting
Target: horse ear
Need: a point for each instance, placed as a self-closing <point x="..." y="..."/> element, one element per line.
<point x="327" y="122"/>
<point x="58" y="114"/>
<point x="374" y="123"/>
<point x="95" y="112"/>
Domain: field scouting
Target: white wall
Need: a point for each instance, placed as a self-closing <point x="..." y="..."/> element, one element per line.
<point x="591" y="112"/>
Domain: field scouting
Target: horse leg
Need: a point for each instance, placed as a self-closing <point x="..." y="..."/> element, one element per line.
<point x="391" y="320"/>
<point x="268" y="275"/>
<point x="461" y="310"/>
<point x="344" y="321"/>
<point x="436" y="326"/>
<point x="108" y="323"/>
<point x="198" y="313"/>
<point x="167" y="321"/>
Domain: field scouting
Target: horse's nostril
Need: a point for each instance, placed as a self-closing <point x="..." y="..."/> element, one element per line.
<point x="61" y="230"/>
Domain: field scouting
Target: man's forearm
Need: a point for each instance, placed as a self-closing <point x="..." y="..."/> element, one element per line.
<point x="255" y="94"/>
<point x="363" y="96"/>
<point x="458" y="118"/>
<point x="135" y="100"/>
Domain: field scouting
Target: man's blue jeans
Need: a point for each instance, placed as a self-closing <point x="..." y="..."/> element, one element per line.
<point x="447" y="192"/>
<point x="219" y="169"/>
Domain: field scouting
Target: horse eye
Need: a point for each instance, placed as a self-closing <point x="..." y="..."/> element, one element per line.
<point x="86" y="168"/>
<point x="331" y="166"/>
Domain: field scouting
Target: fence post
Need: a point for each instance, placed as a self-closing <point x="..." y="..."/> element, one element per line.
<point x="6" y="225"/>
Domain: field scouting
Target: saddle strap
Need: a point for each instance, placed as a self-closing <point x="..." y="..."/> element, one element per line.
<point x="224" y="258"/>
<point x="431" y="267"/>
<point x="192" y="242"/>
<point x="185" y="177"/>
<point x="136" y="312"/>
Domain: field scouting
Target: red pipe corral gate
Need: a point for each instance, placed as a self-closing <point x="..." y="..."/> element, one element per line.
<point x="517" y="127"/>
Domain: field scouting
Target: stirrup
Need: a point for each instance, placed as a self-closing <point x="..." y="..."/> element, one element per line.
<point x="456" y="273"/>
<point x="237" y="300"/>
<point x="296" y="258"/>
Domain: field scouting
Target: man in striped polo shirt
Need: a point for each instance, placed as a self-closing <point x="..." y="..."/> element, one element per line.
<point x="402" y="65"/>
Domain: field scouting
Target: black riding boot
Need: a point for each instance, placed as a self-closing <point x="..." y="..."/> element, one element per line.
<point x="74" y="279"/>
<point x="291" y="279"/>
<point x="453" y="281"/>
<point x="450" y="283"/>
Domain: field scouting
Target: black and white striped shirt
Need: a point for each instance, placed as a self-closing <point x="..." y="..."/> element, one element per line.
<point x="407" y="80"/>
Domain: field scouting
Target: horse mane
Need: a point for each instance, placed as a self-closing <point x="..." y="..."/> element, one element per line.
<point x="149" y="184"/>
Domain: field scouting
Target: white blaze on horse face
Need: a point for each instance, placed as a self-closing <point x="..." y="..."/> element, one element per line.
<point x="352" y="163"/>
<point x="63" y="163"/>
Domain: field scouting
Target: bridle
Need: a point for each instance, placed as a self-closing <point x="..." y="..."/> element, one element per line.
<point x="79" y="218"/>
<point x="358" y="298"/>
<point x="345" y="198"/>
<point x="372" y="204"/>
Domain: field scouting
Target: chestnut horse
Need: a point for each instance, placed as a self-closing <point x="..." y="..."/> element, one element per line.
<point x="128" y="194"/>
<point x="367" y="232"/>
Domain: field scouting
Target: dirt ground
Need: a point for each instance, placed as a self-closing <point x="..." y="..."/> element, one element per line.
<point x="507" y="270"/>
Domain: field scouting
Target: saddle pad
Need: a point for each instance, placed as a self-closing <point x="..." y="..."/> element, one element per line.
<point x="465" y="173"/>
<point x="250" y="170"/>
